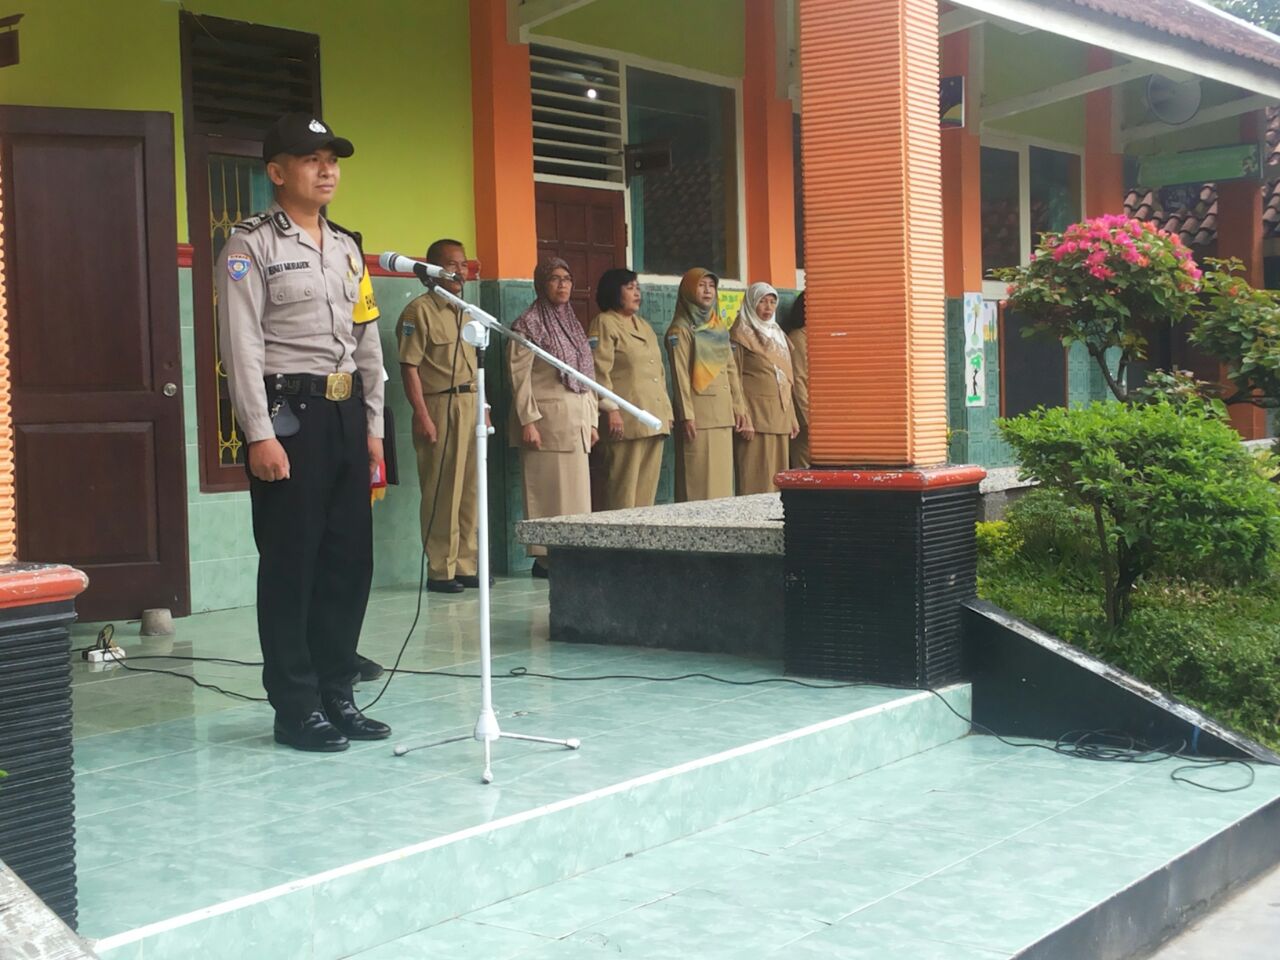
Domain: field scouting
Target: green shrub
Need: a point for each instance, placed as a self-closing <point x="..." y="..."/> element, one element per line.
<point x="996" y="541"/>
<point x="1166" y="486"/>
<point x="1216" y="646"/>
<point x="1053" y="531"/>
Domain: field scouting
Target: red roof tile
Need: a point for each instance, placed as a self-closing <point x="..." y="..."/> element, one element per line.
<point x="1188" y="20"/>
<point x="1197" y="223"/>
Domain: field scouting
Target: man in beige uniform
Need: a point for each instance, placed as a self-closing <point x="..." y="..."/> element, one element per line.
<point x="304" y="368"/>
<point x="439" y="372"/>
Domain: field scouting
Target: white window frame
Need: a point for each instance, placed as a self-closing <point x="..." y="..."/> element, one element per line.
<point x="624" y="61"/>
<point x="1021" y="145"/>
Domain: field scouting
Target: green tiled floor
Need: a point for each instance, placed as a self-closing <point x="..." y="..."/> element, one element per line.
<point x="184" y="801"/>
<point x="967" y="851"/>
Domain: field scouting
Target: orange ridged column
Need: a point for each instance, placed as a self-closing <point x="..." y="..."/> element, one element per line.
<point x="880" y="551"/>
<point x="1240" y="236"/>
<point x="502" y="141"/>
<point x="873" y="232"/>
<point x="769" y="176"/>
<point x="1103" y="167"/>
<point x="8" y="505"/>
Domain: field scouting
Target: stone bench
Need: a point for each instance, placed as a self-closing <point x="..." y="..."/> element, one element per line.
<point x="704" y="576"/>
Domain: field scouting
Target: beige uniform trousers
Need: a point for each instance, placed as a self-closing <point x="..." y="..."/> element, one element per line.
<point x="704" y="468"/>
<point x="800" y="450"/>
<point x="451" y="541"/>
<point x="631" y="469"/>
<point x="556" y="483"/>
<point x="756" y="461"/>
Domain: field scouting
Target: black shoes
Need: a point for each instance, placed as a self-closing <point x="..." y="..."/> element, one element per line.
<point x="471" y="580"/>
<point x="445" y="586"/>
<point x="368" y="669"/>
<point x="540" y="571"/>
<point x="315" y="734"/>
<point x="347" y="720"/>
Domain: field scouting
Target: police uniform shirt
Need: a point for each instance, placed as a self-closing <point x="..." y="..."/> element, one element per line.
<point x="429" y="334"/>
<point x="287" y="306"/>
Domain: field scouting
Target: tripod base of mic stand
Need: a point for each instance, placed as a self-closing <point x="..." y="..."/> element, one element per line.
<point x="487" y="738"/>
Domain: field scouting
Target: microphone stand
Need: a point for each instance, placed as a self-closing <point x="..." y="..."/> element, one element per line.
<point x="476" y="332"/>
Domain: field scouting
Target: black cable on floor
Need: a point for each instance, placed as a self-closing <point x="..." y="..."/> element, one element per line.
<point x="1099" y="746"/>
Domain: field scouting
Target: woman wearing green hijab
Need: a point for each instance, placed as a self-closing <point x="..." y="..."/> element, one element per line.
<point x="708" y="398"/>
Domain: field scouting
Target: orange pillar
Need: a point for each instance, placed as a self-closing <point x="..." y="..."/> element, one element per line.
<point x="873" y="232"/>
<point x="1103" y="167"/>
<point x="767" y="161"/>
<point x="1240" y="236"/>
<point x="962" y="179"/>
<point x="502" y="117"/>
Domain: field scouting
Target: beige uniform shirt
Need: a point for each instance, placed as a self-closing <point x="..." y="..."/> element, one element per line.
<point x="720" y="402"/>
<point x="286" y="306"/>
<point x="800" y="365"/>
<point x="429" y="335"/>
<point x="565" y="419"/>
<point x="629" y="362"/>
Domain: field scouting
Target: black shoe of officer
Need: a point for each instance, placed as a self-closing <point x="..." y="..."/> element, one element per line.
<point x="444" y="586"/>
<point x="314" y="734"/>
<point x="471" y="580"/>
<point x="367" y="669"/>
<point x="349" y="721"/>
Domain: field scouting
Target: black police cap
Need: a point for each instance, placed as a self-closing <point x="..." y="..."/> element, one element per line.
<point x="300" y="134"/>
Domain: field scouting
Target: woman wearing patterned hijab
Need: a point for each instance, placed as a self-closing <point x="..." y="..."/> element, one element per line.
<point x="764" y="359"/>
<point x="708" y="400"/>
<point x="554" y="416"/>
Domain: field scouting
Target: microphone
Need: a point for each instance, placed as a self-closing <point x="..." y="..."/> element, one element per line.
<point x="395" y="263"/>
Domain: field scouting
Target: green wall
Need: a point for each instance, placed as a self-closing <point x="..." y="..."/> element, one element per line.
<point x="699" y="34"/>
<point x="381" y="65"/>
<point x="1016" y="65"/>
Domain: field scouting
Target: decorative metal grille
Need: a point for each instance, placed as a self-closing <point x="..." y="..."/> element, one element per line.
<point x="577" y="115"/>
<point x="238" y="188"/>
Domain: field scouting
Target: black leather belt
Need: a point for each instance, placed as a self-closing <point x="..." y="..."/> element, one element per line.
<point x="333" y="386"/>
<point x="460" y="388"/>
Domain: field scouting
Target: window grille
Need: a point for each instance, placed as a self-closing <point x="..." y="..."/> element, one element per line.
<point x="577" y="115"/>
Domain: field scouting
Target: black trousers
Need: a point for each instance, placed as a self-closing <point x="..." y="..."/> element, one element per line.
<point x="314" y="533"/>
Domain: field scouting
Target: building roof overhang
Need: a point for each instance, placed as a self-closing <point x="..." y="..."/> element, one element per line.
<point x="1244" y="58"/>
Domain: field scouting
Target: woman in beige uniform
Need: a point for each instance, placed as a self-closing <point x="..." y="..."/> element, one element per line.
<point x="763" y="358"/>
<point x="708" y="400"/>
<point x="798" y="337"/>
<point x="628" y="362"/>
<point x="554" y="415"/>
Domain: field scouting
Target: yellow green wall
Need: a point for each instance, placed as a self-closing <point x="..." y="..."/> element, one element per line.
<point x="1018" y="64"/>
<point x="698" y="34"/>
<point x="395" y="78"/>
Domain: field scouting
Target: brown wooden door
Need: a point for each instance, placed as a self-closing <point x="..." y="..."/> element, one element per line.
<point x="90" y="239"/>
<point x="587" y="229"/>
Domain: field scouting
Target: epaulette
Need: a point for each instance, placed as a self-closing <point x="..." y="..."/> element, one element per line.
<point x="353" y="234"/>
<point x="249" y="224"/>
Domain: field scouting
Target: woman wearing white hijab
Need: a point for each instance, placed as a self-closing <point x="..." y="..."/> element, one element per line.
<point x="764" y="362"/>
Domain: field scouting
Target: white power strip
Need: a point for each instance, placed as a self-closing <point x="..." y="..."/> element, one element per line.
<point x="103" y="656"/>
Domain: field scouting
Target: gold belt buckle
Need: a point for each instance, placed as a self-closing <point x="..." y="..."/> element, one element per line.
<point x="337" y="386"/>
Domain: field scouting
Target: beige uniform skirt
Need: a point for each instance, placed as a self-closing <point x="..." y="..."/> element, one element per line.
<point x="556" y="484"/>
<point x="704" y="468"/>
<point x="757" y="460"/>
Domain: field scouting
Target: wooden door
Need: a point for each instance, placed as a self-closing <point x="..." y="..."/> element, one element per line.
<point x="586" y="228"/>
<point x="90" y="238"/>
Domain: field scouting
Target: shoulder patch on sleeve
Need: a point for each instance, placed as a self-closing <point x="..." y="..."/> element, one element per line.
<point x="594" y="342"/>
<point x="672" y="340"/>
<point x="249" y="224"/>
<point x="353" y="234"/>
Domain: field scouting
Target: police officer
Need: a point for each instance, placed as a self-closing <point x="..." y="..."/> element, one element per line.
<point x="304" y="368"/>
<point x="438" y="369"/>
